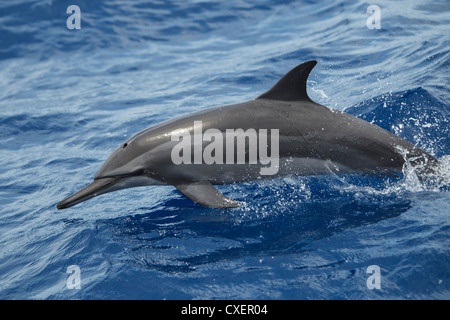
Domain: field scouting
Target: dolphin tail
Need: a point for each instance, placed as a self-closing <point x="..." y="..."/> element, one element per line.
<point x="422" y="163"/>
<point x="203" y="192"/>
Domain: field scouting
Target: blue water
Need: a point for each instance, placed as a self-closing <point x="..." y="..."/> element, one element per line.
<point x="68" y="98"/>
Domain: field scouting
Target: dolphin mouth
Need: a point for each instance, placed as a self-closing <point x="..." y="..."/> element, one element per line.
<point x="97" y="187"/>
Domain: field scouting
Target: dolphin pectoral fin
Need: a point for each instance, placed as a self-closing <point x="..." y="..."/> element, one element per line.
<point x="203" y="192"/>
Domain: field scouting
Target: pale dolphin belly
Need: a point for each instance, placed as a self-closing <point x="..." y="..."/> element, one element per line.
<point x="219" y="174"/>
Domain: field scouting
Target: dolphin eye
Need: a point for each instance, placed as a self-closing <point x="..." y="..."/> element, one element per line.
<point x="125" y="145"/>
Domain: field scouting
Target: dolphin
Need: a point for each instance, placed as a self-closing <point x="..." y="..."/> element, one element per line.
<point x="311" y="139"/>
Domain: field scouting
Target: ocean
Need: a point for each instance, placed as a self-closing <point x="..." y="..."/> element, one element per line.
<point x="75" y="84"/>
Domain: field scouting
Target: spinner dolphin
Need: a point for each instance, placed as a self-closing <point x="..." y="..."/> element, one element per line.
<point x="280" y="133"/>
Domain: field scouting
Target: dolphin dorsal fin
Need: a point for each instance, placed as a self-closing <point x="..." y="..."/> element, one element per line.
<point x="292" y="87"/>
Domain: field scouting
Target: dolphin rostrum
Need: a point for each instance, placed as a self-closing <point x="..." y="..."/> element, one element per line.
<point x="280" y="133"/>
